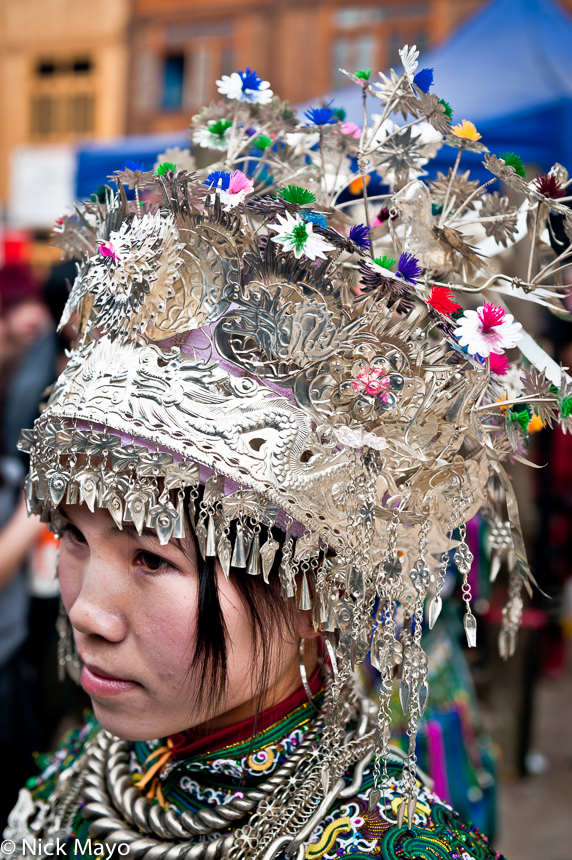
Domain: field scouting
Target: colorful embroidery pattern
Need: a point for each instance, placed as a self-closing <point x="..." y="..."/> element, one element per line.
<point x="350" y="829"/>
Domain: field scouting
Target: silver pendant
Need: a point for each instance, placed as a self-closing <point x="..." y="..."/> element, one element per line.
<point x="434" y="610"/>
<point x="411" y="807"/>
<point x="239" y="553"/>
<point x="253" y="566"/>
<point x="224" y="550"/>
<point x="163" y="518"/>
<point x="201" y="536"/>
<point x="470" y="624"/>
<point x="405" y="695"/>
<point x="373" y="800"/>
<point x="57" y="483"/>
<point x="136" y="503"/>
<point x="495" y="564"/>
<point x="305" y="597"/>
<point x="114" y="505"/>
<point x="401" y="814"/>
<point x="179" y="529"/>
<point x="423" y="696"/>
<point x="210" y="548"/>
<point x="88" y="482"/>
<point x="267" y="554"/>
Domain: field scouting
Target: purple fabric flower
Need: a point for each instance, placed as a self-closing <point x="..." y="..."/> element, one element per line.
<point x="408" y="268"/>
<point x="359" y="234"/>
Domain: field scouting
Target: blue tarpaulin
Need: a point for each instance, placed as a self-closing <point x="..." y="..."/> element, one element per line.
<point x="508" y="70"/>
<point x="97" y="161"/>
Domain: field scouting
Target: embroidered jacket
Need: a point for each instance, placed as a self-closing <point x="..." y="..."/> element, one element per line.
<point x="216" y="774"/>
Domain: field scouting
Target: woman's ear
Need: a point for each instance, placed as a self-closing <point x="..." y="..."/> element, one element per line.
<point x="304" y="625"/>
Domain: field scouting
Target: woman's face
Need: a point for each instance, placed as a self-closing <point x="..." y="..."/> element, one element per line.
<point x="133" y="604"/>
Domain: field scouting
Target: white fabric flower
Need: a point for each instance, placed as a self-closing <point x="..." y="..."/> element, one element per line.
<point x="208" y="140"/>
<point x="297" y="235"/>
<point x="245" y="87"/>
<point x="409" y="59"/>
<point x="488" y="329"/>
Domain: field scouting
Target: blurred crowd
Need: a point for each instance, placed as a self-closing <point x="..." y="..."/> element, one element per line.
<point x="32" y="354"/>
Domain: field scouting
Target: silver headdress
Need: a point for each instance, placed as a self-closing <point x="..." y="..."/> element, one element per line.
<point x="232" y="337"/>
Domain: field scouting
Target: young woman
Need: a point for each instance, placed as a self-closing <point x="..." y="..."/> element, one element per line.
<point x="256" y="466"/>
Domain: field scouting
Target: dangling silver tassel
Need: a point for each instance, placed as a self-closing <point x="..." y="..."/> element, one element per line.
<point x="267" y="554"/>
<point x="179" y="529"/>
<point x="211" y="539"/>
<point x="201" y="536"/>
<point x="253" y="567"/>
<point x="305" y="597"/>
<point x="224" y="550"/>
<point x="239" y="554"/>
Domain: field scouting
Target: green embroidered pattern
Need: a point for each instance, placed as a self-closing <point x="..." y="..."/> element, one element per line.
<point x="348" y="830"/>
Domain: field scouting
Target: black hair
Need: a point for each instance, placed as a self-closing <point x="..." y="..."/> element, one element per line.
<point x="272" y="618"/>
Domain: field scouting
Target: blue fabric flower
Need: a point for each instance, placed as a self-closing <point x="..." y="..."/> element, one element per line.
<point x="321" y="116"/>
<point x="408" y="268"/>
<point x="424" y="80"/>
<point x="359" y="234"/>
<point x="314" y="218"/>
<point x="250" y="80"/>
<point x="134" y="165"/>
<point x="219" y="176"/>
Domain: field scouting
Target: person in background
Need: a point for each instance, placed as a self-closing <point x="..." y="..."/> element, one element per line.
<point x="27" y="365"/>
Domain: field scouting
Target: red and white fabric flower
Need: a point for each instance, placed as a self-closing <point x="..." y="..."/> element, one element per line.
<point x="488" y="330"/>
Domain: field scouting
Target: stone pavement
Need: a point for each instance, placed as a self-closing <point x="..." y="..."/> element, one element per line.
<point x="535" y="815"/>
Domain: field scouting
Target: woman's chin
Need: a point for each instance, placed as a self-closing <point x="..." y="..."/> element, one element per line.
<point x="126" y="722"/>
<point x="133" y="721"/>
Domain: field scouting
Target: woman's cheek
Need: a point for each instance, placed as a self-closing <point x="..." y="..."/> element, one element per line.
<point x="167" y="631"/>
<point x="69" y="576"/>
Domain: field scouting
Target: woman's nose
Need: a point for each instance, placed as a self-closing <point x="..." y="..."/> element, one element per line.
<point x="97" y="611"/>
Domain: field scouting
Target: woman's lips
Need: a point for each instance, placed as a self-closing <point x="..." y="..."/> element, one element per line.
<point x="100" y="684"/>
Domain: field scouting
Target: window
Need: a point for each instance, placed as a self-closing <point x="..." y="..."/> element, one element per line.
<point x="227" y="62"/>
<point x="80" y="114"/>
<point x="395" y="43"/>
<point x="45" y="116"/>
<point x="50" y="68"/>
<point x="62" y="106"/>
<point x="358" y="16"/>
<point x="421" y="41"/>
<point x="173" y="82"/>
<point x="352" y="53"/>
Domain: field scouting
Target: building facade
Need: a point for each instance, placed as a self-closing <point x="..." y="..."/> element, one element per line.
<point x="63" y="73"/>
<point x="180" y="47"/>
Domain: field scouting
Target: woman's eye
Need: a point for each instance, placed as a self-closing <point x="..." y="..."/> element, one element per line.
<point x="151" y="561"/>
<point x="74" y="534"/>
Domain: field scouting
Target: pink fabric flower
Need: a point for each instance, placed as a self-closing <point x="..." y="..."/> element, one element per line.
<point x="372" y="380"/>
<point x="351" y="128"/>
<point x="499" y="364"/>
<point x="106" y="249"/>
<point x="239" y="182"/>
<point x="488" y="330"/>
<point x="239" y="186"/>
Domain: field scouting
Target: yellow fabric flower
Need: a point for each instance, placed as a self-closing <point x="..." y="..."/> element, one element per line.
<point x="535" y="424"/>
<point x="467" y="130"/>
